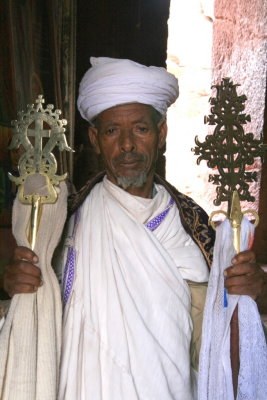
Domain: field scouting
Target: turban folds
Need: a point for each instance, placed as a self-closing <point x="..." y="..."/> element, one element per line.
<point x="110" y="82"/>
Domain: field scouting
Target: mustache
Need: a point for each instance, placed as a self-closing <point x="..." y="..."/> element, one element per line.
<point x="129" y="157"/>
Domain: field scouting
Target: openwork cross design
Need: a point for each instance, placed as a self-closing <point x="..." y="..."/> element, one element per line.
<point x="229" y="149"/>
<point x="39" y="123"/>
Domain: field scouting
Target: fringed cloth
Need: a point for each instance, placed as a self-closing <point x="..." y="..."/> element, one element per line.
<point x="30" y="338"/>
<point x="215" y="373"/>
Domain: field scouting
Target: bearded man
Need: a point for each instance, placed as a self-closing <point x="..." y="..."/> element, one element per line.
<point x="134" y="244"/>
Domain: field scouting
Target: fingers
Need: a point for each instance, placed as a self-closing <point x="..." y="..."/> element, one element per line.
<point x="241" y="269"/>
<point x="23" y="253"/>
<point x="21" y="275"/>
<point x="22" y="278"/>
<point x="243" y="263"/>
<point x="244" y="285"/>
<point x="247" y="256"/>
<point x="244" y="277"/>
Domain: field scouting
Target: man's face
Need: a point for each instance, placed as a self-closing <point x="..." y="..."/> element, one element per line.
<point x="128" y="138"/>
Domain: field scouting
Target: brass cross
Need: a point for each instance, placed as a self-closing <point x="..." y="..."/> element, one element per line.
<point x="38" y="133"/>
<point x="36" y="161"/>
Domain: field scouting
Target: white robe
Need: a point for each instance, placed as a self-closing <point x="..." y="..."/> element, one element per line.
<point x="127" y="325"/>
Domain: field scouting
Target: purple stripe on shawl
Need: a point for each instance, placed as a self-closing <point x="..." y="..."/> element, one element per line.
<point x="155" y="222"/>
<point x="69" y="271"/>
<point x="70" y="268"/>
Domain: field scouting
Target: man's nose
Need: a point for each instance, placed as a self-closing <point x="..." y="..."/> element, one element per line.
<point x="127" y="142"/>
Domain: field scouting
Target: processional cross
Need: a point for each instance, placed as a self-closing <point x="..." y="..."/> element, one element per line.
<point x="230" y="150"/>
<point x="38" y="161"/>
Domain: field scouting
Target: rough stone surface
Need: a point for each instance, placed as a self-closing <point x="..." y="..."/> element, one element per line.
<point x="239" y="51"/>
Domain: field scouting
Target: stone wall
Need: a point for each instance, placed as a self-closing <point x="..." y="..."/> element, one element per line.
<point x="239" y="52"/>
<point x="260" y="244"/>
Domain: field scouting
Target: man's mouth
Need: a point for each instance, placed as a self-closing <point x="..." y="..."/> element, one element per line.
<point x="129" y="161"/>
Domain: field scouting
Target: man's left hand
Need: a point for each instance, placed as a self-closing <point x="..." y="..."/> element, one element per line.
<point x="245" y="276"/>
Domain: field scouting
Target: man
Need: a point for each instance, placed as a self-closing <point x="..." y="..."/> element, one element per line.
<point x="133" y="243"/>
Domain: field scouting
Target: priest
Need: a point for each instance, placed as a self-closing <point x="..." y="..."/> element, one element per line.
<point x="134" y="251"/>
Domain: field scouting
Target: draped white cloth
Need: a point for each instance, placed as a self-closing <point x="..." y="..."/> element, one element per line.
<point x="127" y="325"/>
<point x="110" y="82"/>
<point x="215" y="373"/>
<point x="30" y="337"/>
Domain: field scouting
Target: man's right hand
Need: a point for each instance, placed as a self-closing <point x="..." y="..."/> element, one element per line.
<point x="21" y="275"/>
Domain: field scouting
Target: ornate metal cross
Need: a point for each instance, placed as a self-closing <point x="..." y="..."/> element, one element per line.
<point x="36" y="160"/>
<point x="230" y="150"/>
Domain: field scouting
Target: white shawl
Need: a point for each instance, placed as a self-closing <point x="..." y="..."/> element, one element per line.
<point x="127" y="325"/>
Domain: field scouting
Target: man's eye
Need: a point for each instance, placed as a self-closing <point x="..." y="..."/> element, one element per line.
<point x="141" y="129"/>
<point x="110" y="131"/>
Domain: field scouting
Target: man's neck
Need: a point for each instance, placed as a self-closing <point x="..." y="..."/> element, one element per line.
<point x="145" y="191"/>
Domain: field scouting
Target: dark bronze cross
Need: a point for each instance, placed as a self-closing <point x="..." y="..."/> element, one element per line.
<point x="230" y="150"/>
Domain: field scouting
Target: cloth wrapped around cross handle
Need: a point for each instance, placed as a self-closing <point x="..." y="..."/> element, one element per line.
<point x="233" y="341"/>
<point x="30" y="337"/>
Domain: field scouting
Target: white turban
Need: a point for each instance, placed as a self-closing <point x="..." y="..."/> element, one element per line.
<point x="112" y="82"/>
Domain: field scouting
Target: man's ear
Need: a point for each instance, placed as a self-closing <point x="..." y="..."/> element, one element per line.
<point x="163" y="129"/>
<point x="93" y="136"/>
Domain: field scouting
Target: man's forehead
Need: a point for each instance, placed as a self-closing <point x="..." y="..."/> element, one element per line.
<point x="129" y="110"/>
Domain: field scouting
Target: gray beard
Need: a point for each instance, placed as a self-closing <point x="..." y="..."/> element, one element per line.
<point x="136" y="181"/>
